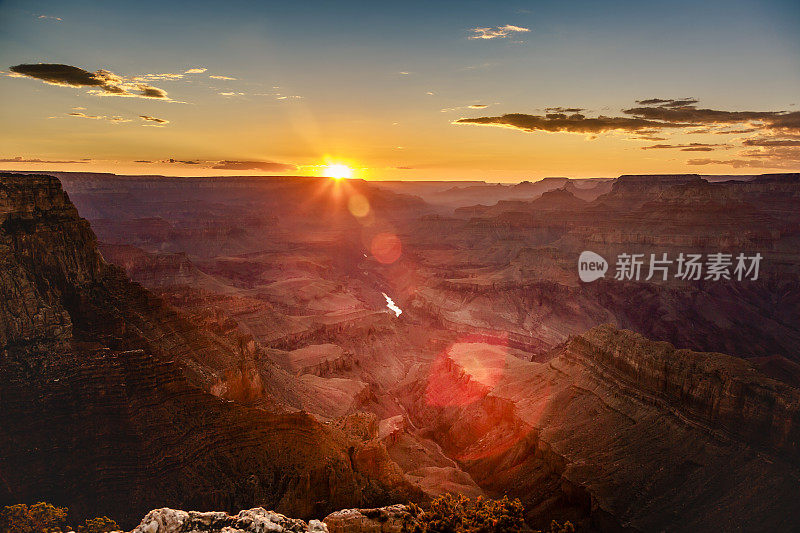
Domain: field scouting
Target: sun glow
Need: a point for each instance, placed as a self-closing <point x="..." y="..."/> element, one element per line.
<point x="337" y="171"/>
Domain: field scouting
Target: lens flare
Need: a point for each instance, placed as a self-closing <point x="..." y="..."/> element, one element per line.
<point x="480" y="363"/>
<point x="386" y="248"/>
<point x="358" y="205"/>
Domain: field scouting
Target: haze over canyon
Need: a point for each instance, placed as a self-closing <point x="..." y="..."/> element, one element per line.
<point x="308" y="345"/>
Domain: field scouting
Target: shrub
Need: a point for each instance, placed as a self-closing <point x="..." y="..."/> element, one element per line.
<point x="458" y="514"/>
<point x="37" y="518"/>
<point x="566" y="527"/>
<point x="100" y="524"/>
<point x="46" y="518"/>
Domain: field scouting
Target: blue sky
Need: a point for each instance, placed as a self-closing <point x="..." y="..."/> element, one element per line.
<point x="350" y="81"/>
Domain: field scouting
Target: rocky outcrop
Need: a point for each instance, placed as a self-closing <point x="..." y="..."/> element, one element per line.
<point x="391" y="519"/>
<point x="717" y="391"/>
<point x="257" y="520"/>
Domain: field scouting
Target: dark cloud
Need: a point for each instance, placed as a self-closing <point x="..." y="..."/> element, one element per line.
<point x="771" y="142"/>
<point x="576" y="123"/>
<point x="157" y="120"/>
<point x="775" y="120"/>
<point x="59" y="74"/>
<point x="269" y="166"/>
<point x="745" y="163"/>
<point x="100" y="81"/>
<point x="570" y="110"/>
<point x="657" y="115"/>
<point x="692" y="115"/>
<point x="24" y="160"/>
<point x="785" y="121"/>
<point x="732" y="132"/>
<point x="661" y="102"/>
<point x="691" y="147"/>
<point x="84" y="115"/>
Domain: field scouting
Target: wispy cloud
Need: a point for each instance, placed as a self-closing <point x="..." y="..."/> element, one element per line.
<point x="479" y="66"/>
<point x="112" y="119"/>
<point x="196" y="70"/>
<point x="237" y="165"/>
<point x="19" y="159"/>
<point x="463" y="107"/>
<point x="497" y="32"/>
<point x="691" y="147"/>
<point x="163" y="76"/>
<point x="222" y="78"/>
<point x="789" y="164"/>
<point x="101" y="82"/>
<point x="48" y="17"/>
<point x="268" y="166"/>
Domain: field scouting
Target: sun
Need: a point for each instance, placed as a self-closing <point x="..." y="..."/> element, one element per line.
<point x="337" y="171"/>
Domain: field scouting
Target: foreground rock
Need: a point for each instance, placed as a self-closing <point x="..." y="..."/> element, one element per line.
<point x="257" y="520"/>
<point x="391" y="519"/>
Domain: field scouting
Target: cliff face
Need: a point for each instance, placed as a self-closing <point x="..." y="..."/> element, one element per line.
<point x="620" y="432"/>
<point x="102" y="391"/>
<point x="61" y="246"/>
<point x="720" y="392"/>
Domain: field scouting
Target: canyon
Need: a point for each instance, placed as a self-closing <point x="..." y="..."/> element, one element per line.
<point x="225" y="343"/>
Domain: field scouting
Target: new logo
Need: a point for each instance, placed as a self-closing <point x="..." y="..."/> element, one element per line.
<point x="591" y="266"/>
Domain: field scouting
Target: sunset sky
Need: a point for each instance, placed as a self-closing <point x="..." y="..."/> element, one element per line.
<point x="501" y="91"/>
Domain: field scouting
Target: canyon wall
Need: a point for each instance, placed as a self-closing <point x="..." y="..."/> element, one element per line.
<point x="102" y="392"/>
